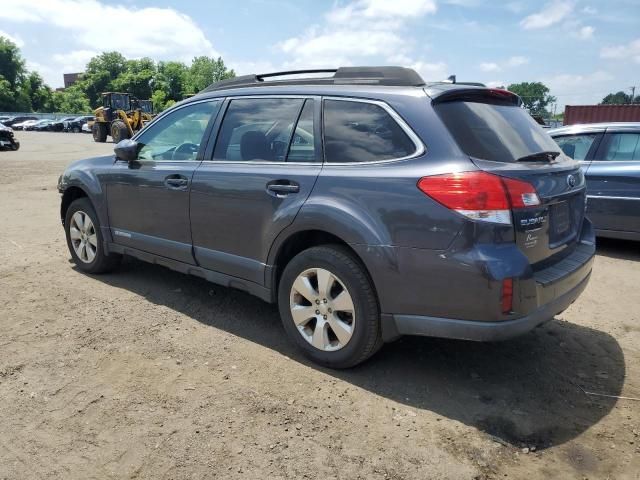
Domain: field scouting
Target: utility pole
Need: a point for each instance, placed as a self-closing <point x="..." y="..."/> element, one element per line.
<point x="633" y="93"/>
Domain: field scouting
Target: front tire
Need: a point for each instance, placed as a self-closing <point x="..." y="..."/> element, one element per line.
<point x="84" y="239"/>
<point x="329" y="308"/>
<point x="119" y="131"/>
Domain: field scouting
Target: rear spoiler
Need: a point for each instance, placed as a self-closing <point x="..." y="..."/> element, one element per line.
<point x="495" y="96"/>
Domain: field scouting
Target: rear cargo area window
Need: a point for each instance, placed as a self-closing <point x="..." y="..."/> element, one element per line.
<point x="362" y="132"/>
<point x="494" y="132"/>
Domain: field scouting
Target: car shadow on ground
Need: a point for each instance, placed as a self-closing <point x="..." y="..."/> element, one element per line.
<point x="525" y="391"/>
<point x="620" y="249"/>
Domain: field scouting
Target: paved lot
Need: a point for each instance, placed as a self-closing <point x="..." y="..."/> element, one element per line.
<point x="146" y="373"/>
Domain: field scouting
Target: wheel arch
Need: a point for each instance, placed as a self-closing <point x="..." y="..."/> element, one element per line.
<point x="290" y="246"/>
<point x="72" y="193"/>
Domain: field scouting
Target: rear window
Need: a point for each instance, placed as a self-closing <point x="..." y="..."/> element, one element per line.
<point x="494" y="132"/>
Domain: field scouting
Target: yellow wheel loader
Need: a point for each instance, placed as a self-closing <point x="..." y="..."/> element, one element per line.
<point x="121" y="115"/>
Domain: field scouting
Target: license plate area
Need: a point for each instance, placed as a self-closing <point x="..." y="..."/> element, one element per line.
<point x="562" y="223"/>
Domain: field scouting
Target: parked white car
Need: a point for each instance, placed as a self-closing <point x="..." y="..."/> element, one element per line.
<point x="85" y="128"/>
<point x="21" y="125"/>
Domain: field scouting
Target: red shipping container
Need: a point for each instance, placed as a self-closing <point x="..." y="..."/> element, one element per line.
<point x="601" y="113"/>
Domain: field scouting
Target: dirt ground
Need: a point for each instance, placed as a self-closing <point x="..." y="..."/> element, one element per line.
<point x="147" y="373"/>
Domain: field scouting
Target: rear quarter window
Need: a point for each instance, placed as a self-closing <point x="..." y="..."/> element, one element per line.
<point x="362" y="132"/>
<point x="576" y="146"/>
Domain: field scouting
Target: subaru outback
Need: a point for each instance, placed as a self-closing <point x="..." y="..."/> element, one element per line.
<point x="366" y="203"/>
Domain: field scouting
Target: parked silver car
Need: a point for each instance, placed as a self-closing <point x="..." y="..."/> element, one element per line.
<point x="610" y="157"/>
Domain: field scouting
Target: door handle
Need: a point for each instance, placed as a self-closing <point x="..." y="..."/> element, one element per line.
<point x="283" y="188"/>
<point x="176" y="182"/>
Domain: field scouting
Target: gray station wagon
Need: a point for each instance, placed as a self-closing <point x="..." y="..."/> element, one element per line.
<point x="366" y="203"/>
<point x="609" y="154"/>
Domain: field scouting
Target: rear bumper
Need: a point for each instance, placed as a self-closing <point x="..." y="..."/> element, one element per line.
<point x="457" y="293"/>
<point x="571" y="285"/>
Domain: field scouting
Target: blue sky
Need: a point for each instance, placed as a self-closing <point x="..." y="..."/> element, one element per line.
<point x="582" y="49"/>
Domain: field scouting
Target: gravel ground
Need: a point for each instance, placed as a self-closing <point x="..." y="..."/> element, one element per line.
<point x="147" y="373"/>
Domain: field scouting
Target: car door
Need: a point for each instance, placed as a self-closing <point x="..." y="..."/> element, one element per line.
<point x="613" y="182"/>
<point x="148" y="199"/>
<point x="257" y="174"/>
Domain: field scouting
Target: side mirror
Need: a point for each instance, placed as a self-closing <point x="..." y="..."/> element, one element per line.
<point x="127" y="150"/>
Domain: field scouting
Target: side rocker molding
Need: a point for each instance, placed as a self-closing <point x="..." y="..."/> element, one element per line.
<point x="209" y="275"/>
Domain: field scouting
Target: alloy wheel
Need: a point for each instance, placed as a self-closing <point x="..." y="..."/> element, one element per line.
<point x="322" y="309"/>
<point x="83" y="237"/>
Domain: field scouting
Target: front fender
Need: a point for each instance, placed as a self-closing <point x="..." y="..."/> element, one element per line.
<point x="85" y="175"/>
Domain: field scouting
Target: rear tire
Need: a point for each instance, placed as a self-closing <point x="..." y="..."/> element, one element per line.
<point x="358" y="333"/>
<point x="15" y="146"/>
<point x="99" y="131"/>
<point x="75" y="130"/>
<point x="84" y="239"/>
<point x="119" y="131"/>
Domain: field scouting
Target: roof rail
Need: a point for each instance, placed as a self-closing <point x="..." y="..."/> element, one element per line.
<point x="390" y="76"/>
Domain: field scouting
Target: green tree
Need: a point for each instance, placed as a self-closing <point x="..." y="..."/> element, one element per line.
<point x="137" y="79"/>
<point x="12" y="66"/>
<point x="39" y="93"/>
<point x="7" y="101"/>
<point x="204" y="71"/>
<point x="535" y="96"/>
<point x="619" y="98"/>
<point x="100" y="73"/>
<point x="172" y="79"/>
<point x="71" y="100"/>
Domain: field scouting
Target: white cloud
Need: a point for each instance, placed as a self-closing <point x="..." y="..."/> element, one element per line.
<point x="585" y="32"/>
<point x="74" y="61"/>
<point x="630" y="51"/>
<point x="14" y="38"/>
<point x="357" y="31"/>
<point x="589" y="10"/>
<point x="137" y="32"/>
<point x="515" y="7"/>
<point x="464" y="3"/>
<point x="551" y="14"/>
<point x="381" y="9"/>
<point x="517" y="60"/>
<point x="511" y="62"/>
<point x="490" y="67"/>
<point x="580" y="89"/>
<point x="431" y="71"/>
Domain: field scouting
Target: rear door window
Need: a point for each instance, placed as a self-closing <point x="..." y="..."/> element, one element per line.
<point x="362" y="132"/>
<point x="502" y="133"/>
<point x="622" y="146"/>
<point x="576" y="146"/>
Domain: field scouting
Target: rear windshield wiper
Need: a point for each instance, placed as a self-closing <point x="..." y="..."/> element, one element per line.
<point x="547" y="156"/>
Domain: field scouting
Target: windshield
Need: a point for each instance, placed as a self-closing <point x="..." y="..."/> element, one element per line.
<point x="494" y="132"/>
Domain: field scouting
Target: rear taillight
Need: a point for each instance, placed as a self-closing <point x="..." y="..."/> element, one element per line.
<point x="480" y="195"/>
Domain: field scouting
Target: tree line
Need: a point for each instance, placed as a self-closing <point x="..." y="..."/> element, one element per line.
<point x="163" y="82"/>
